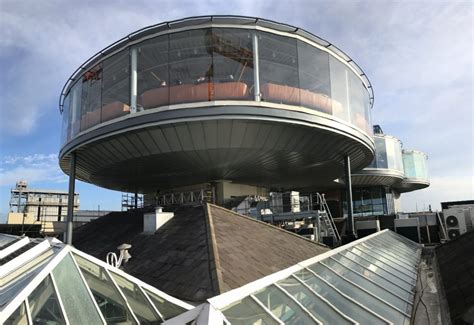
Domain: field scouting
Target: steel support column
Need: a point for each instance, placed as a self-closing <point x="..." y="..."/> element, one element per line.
<point x="256" y="68"/>
<point x="136" y="200"/>
<point x="70" y="200"/>
<point x="350" y="211"/>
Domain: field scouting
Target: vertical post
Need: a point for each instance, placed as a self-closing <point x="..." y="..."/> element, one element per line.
<point x="70" y="201"/>
<point x="256" y="72"/>
<point x="136" y="200"/>
<point x="350" y="212"/>
<point x="133" y="79"/>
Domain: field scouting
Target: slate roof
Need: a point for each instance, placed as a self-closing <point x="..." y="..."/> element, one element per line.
<point x="203" y="251"/>
<point x="456" y="267"/>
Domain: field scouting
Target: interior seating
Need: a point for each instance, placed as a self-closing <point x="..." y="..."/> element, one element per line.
<point x="296" y="96"/>
<point x="193" y="93"/>
<point x="114" y="110"/>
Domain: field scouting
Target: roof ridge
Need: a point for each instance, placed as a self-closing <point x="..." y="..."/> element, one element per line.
<point x="215" y="272"/>
<point x="266" y="224"/>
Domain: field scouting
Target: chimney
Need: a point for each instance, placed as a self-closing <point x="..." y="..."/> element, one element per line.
<point x="152" y="221"/>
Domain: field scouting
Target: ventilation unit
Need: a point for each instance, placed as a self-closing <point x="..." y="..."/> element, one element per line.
<point x="456" y="222"/>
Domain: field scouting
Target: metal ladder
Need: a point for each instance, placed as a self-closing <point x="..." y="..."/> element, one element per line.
<point x="326" y="217"/>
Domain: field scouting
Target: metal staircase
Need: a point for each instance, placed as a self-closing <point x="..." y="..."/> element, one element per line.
<point x="326" y="218"/>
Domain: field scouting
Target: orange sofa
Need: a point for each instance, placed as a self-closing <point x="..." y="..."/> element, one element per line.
<point x="193" y="93"/>
<point x="114" y="110"/>
<point x="296" y="96"/>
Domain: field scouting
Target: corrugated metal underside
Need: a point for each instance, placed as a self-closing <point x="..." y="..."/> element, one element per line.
<point x="274" y="154"/>
<point x="411" y="184"/>
<point x="380" y="177"/>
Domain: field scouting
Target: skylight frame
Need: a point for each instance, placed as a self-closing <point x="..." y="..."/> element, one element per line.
<point x="222" y="301"/>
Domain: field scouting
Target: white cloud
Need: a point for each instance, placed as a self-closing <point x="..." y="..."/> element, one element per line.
<point x="32" y="168"/>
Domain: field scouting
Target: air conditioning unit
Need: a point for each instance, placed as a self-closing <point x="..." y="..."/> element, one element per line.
<point x="456" y="221"/>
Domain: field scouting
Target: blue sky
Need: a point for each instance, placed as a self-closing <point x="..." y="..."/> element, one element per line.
<point x="417" y="54"/>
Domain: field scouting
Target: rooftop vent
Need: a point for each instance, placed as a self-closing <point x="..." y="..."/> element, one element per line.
<point x="154" y="220"/>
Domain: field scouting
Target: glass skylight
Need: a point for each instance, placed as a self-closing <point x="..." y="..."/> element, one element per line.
<point x="62" y="285"/>
<point x="369" y="281"/>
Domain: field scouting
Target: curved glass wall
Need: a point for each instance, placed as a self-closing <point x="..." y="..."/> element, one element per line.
<point x="414" y="164"/>
<point x="212" y="64"/>
<point x="388" y="154"/>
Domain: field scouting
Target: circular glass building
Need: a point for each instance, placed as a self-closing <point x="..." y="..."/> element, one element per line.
<point x="216" y="98"/>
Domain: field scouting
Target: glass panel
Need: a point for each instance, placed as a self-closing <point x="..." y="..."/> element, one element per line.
<point x="379" y="263"/>
<point x="44" y="305"/>
<point x="278" y="64"/>
<point x="18" y="317"/>
<point x="232" y="64"/>
<point x="345" y="305"/>
<point x="358" y="103"/>
<point x="166" y="308"/>
<point x="315" y="88"/>
<point x="111" y="304"/>
<point x="388" y="253"/>
<point x="401" y="241"/>
<point x="398" y="246"/>
<point x="312" y="302"/>
<point x="409" y="165"/>
<point x="387" y="260"/>
<point x="367" y="285"/>
<point x="91" y="97"/>
<point x="77" y="302"/>
<point x="340" y="89"/>
<point x="375" y="277"/>
<point x="282" y="307"/>
<point x="136" y="300"/>
<point x="357" y="294"/>
<point x="65" y="120"/>
<point x="116" y="86"/>
<point x="377" y="269"/>
<point x="246" y="312"/>
<point x="190" y="66"/>
<point x="380" y="153"/>
<point x="153" y="73"/>
<point x="75" y="109"/>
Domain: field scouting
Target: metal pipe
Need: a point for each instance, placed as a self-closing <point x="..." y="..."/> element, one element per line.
<point x="70" y="201"/>
<point x="350" y="211"/>
<point x="256" y="72"/>
<point x="133" y="79"/>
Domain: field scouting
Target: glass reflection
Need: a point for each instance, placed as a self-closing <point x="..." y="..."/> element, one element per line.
<point x="91" y="97"/>
<point x="137" y="301"/>
<point x="115" y="87"/>
<point x="166" y="308"/>
<point x="111" y="304"/>
<point x="18" y="317"/>
<point x="247" y="311"/>
<point x="78" y="304"/>
<point x="44" y="305"/>
<point x="278" y="63"/>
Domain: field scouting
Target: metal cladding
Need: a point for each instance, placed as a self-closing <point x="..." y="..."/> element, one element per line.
<point x="214" y="98"/>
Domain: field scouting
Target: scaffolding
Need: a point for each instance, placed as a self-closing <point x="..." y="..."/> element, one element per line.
<point x="132" y="201"/>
